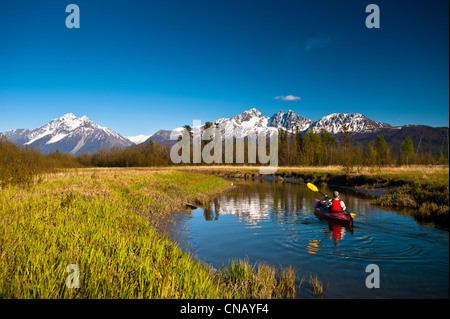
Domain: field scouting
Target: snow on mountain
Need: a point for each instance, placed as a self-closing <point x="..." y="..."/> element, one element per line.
<point x="252" y="120"/>
<point x="69" y="134"/>
<point x="241" y="125"/>
<point x="139" y="139"/>
<point x="289" y="120"/>
<point x="244" y="124"/>
<point x="18" y="136"/>
<point x="73" y="134"/>
<point x="355" y="122"/>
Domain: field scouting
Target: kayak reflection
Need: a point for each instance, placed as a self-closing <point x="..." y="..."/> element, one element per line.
<point x="334" y="231"/>
<point x="337" y="232"/>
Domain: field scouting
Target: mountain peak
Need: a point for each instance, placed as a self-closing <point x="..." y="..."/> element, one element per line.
<point x="69" y="133"/>
<point x="69" y="122"/>
<point x="289" y="120"/>
<point x="73" y="117"/>
<point x="253" y="112"/>
<point x="250" y="115"/>
<point x="355" y="122"/>
<point x="68" y="116"/>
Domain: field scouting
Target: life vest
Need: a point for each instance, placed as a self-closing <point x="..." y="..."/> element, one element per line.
<point x="336" y="206"/>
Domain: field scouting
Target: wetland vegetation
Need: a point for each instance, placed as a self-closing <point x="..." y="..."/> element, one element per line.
<point x="98" y="220"/>
<point x="54" y="212"/>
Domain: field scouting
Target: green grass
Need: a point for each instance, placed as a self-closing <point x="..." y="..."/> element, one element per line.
<point x="316" y="285"/>
<point x="260" y="281"/>
<point x="98" y="219"/>
<point x="429" y="198"/>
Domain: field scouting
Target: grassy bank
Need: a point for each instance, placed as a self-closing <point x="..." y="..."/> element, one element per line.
<point x="97" y="219"/>
<point x="424" y="188"/>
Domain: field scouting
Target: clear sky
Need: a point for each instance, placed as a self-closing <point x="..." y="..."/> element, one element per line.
<point x="139" y="66"/>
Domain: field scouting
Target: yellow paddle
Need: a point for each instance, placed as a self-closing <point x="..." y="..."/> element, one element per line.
<point x="315" y="189"/>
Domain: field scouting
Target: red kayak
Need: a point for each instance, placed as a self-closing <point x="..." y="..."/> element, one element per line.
<point x="342" y="218"/>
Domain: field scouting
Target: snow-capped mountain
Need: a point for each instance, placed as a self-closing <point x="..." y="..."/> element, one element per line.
<point x="355" y="122"/>
<point x="244" y="124"/>
<point x="19" y="136"/>
<point x="289" y="120"/>
<point x="241" y="125"/>
<point x="69" y="134"/>
<point x="252" y="120"/>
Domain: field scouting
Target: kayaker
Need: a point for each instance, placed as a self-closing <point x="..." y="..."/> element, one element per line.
<point x="326" y="202"/>
<point x="337" y="204"/>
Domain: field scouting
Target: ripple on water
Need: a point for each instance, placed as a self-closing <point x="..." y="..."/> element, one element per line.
<point x="276" y="223"/>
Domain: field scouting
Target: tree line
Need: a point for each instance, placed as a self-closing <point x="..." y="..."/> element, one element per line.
<point x="322" y="148"/>
<point x="319" y="149"/>
<point x="19" y="164"/>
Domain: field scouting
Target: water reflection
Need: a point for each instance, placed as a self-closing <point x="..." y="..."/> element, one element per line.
<point x="313" y="246"/>
<point x="281" y="202"/>
<point x="254" y="202"/>
<point x="337" y="232"/>
<point x="275" y="222"/>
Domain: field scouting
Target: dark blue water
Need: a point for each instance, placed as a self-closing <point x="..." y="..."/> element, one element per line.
<point x="275" y="223"/>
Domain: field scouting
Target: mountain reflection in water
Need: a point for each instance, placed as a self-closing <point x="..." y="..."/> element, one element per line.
<point x="273" y="222"/>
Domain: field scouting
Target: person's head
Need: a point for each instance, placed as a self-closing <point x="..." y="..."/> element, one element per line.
<point x="336" y="194"/>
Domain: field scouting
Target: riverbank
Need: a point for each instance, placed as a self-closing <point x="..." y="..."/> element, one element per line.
<point x="423" y="188"/>
<point x="95" y="222"/>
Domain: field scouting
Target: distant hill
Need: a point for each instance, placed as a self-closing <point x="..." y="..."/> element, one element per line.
<point x="425" y="138"/>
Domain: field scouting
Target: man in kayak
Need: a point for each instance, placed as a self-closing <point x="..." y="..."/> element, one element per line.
<point x="326" y="202"/>
<point x="337" y="204"/>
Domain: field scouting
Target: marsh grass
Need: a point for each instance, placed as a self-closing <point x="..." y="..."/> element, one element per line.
<point x="98" y="220"/>
<point x="316" y="285"/>
<point x="259" y="281"/>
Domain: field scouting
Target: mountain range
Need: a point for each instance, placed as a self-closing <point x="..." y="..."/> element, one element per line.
<point x="72" y="134"/>
<point x="68" y="134"/>
<point x="251" y="120"/>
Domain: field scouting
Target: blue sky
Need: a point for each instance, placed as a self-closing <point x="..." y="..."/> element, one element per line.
<point x="140" y="66"/>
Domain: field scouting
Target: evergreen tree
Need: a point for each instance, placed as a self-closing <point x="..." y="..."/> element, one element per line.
<point x="283" y="148"/>
<point x="308" y="154"/>
<point x="299" y="138"/>
<point x="347" y="155"/>
<point x="382" y="150"/>
<point x="329" y="145"/>
<point x="407" y="150"/>
<point x="371" y="155"/>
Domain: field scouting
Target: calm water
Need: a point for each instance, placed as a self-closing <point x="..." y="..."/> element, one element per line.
<point x="274" y="222"/>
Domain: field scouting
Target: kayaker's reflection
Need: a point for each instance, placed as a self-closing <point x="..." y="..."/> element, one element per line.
<point x="337" y="232"/>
